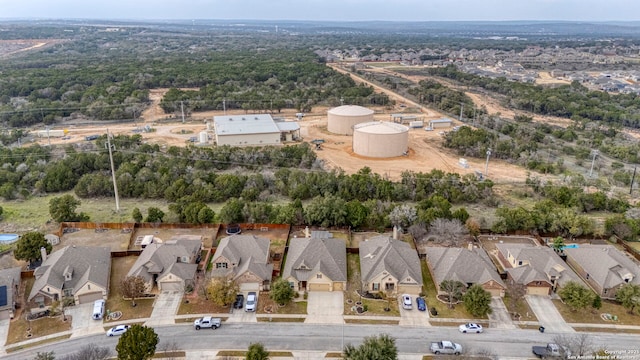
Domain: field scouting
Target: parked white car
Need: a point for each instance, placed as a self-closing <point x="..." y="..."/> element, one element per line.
<point x="406" y="302"/>
<point x="252" y="302"/>
<point x="470" y="328"/>
<point x="117" y="330"/>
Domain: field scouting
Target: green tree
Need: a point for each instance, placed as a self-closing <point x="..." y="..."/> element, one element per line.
<point x="576" y="296"/>
<point x="597" y="302"/>
<point x="382" y="347"/>
<point x="63" y="209"/>
<point x="138" y="343"/>
<point x="231" y="212"/>
<point x="222" y="290"/>
<point x="257" y="351"/>
<point x="629" y="297"/>
<point x="454" y="289"/>
<point x="558" y="243"/>
<point x="477" y="301"/>
<point x="281" y="292"/>
<point x="29" y="245"/>
<point x="136" y="214"/>
<point x="154" y="215"/>
<point x="1" y="212"/>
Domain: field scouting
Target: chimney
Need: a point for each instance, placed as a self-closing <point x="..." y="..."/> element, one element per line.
<point x="470" y="246"/>
<point x="306" y="232"/>
<point x="43" y="253"/>
<point x="395" y="233"/>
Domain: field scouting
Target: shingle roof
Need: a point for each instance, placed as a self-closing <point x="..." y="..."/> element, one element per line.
<point x="605" y="264"/>
<point x="383" y="253"/>
<point x="161" y="258"/>
<point x="86" y="263"/>
<point x="309" y="256"/>
<point x="542" y="263"/>
<point x="248" y="252"/>
<point x="469" y="267"/>
<point x="9" y="277"/>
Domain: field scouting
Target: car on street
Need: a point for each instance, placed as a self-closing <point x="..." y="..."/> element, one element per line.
<point x="252" y="302"/>
<point x="421" y="304"/>
<point x="207" y="322"/>
<point x="239" y="303"/>
<point x="407" y="304"/>
<point x="446" y="347"/>
<point x="470" y="327"/>
<point x="117" y="330"/>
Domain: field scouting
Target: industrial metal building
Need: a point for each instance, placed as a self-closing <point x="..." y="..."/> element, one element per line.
<point x="340" y="120"/>
<point x="380" y="139"/>
<point x="246" y="130"/>
<point x="440" y="123"/>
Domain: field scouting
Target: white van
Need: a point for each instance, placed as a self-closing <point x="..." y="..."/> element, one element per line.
<point x="98" y="310"/>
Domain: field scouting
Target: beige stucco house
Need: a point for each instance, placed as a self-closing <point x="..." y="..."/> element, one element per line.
<point x="389" y="265"/>
<point x="245" y="258"/>
<point x="316" y="264"/>
<point x="78" y="272"/>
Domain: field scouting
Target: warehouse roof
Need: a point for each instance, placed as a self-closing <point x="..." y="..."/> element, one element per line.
<point x="244" y="124"/>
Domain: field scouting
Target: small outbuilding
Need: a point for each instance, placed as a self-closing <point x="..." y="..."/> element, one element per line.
<point x="440" y="123"/>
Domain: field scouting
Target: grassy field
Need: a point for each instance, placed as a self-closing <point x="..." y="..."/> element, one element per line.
<point x="592" y="316"/>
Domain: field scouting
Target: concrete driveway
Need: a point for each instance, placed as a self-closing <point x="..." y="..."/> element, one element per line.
<point x="165" y="307"/>
<point x="4" y="331"/>
<point x="241" y="316"/>
<point x="500" y="317"/>
<point x="413" y="317"/>
<point x="81" y="321"/>
<point x="325" y="307"/>
<point x="547" y="314"/>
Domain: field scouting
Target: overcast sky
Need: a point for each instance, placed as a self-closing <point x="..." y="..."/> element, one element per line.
<point x="342" y="10"/>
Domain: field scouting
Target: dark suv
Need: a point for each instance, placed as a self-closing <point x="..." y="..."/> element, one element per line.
<point x="239" y="303"/>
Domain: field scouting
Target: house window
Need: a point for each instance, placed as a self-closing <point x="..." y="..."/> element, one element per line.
<point x="375" y="286"/>
<point x="389" y="286"/>
<point x="67" y="292"/>
<point x="605" y="291"/>
<point x="520" y="263"/>
<point x="88" y="286"/>
<point x="48" y="290"/>
<point x="318" y="276"/>
<point x="221" y="265"/>
<point x="291" y="284"/>
<point x="587" y="276"/>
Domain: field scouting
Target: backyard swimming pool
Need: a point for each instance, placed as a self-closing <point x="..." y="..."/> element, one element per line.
<point x="8" y="238"/>
<point x="570" y="246"/>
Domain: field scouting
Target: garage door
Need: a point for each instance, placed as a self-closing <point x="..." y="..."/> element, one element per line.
<point x="252" y="286"/>
<point x="319" y="287"/>
<point x="409" y="289"/>
<point x="338" y="286"/>
<point x="494" y="292"/>
<point x="537" y="290"/>
<point x="171" y="286"/>
<point x="90" y="297"/>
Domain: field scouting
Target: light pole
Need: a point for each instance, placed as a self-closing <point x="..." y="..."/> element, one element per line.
<point x="594" y="153"/>
<point x="486" y="165"/>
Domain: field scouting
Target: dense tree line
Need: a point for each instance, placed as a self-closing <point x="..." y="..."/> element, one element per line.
<point x="442" y="97"/>
<point x="573" y="101"/>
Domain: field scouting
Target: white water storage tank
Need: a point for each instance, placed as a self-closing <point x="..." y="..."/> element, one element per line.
<point x="380" y="139"/>
<point x="204" y="137"/>
<point x="340" y="120"/>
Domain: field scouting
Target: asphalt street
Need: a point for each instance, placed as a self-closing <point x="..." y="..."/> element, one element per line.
<point x="508" y="343"/>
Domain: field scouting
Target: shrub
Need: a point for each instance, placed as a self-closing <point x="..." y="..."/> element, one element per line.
<point x="433" y="311"/>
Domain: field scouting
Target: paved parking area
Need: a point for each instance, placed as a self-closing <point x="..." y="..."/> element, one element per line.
<point x="547" y="314"/>
<point x="413" y="317"/>
<point x="240" y="316"/>
<point x="165" y="308"/>
<point x="325" y="307"/>
<point x="500" y="317"/>
<point x="81" y="321"/>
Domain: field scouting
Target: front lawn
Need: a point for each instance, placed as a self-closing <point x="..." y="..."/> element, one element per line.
<point x="119" y="268"/>
<point x="592" y="316"/>
<point x="521" y="307"/>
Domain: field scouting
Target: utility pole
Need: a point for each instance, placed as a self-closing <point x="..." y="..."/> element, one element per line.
<point x="113" y="172"/>
<point x="632" y="179"/>
<point x="461" y="108"/>
<point x="224" y="106"/>
<point x="182" y="110"/>
<point x="486" y="165"/>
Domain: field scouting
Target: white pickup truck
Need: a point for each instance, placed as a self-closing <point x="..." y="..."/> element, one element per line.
<point x="207" y="322"/>
<point x="446" y="347"/>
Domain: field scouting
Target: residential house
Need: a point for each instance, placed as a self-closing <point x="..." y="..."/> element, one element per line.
<point x="246" y="259"/>
<point x="389" y="265"/>
<point x="604" y="267"/>
<point x="539" y="268"/>
<point x="171" y="265"/>
<point x="78" y="272"/>
<point x="9" y="292"/>
<point x="316" y="264"/>
<point x="469" y="266"/>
